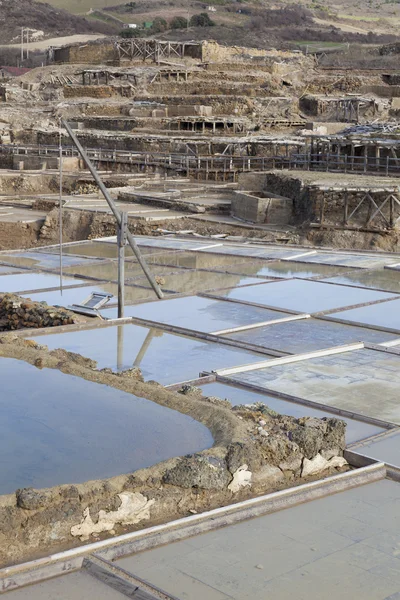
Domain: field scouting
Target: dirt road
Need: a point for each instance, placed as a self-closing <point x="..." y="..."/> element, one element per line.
<point x="60" y="41"/>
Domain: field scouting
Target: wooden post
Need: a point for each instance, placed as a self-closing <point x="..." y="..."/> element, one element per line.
<point x="391" y="211"/>
<point x="377" y="157"/>
<point x="346" y="207"/>
<point x="321" y="209"/>
<point x="365" y="157"/>
<point x="121" y="263"/>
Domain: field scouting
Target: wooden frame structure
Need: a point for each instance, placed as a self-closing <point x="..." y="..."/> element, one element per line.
<point x="371" y="204"/>
<point x="153" y="50"/>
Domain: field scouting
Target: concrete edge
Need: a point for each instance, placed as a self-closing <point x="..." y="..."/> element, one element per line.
<point x="361" y="460"/>
<point x="110" y="549"/>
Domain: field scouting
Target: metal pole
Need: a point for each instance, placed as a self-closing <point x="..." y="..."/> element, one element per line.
<point x="115" y="211"/>
<point x="121" y="263"/>
<point x="27" y="43"/>
<point x="60" y="209"/>
<point x="120" y="347"/>
<point x="22" y="44"/>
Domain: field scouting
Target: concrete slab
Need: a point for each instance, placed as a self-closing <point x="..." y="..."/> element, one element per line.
<point x="305" y="335"/>
<point x="74" y="586"/>
<point x="356" y="430"/>
<point x="315" y="551"/>
<point x="363" y="381"/>
<point x="253" y="251"/>
<point x="305" y="296"/>
<point x="362" y="261"/>
<point x="13" y="214"/>
<point x="378" y="315"/>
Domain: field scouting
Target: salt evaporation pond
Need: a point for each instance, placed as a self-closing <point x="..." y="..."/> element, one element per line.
<point x="57" y="428"/>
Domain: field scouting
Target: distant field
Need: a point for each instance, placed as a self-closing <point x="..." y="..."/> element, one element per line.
<point x="80" y="7"/>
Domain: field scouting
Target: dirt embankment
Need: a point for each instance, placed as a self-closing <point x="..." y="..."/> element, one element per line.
<point x="81" y="225"/>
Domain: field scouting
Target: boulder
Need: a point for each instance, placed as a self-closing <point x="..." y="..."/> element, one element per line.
<point x="240" y="453"/>
<point x="204" y="472"/>
<point x="309" y="439"/>
<point x="31" y="499"/>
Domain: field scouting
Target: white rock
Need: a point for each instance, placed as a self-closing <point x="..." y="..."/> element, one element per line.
<point x="337" y="461"/>
<point x="241" y="478"/>
<point x="328" y="454"/>
<point x="313" y="466"/>
<point x="134" y="508"/>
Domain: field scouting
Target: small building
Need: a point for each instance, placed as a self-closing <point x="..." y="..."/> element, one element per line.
<point x="212" y="9"/>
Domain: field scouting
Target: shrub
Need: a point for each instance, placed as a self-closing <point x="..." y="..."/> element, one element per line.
<point x="201" y="20"/>
<point x="178" y="23"/>
<point x="159" y="25"/>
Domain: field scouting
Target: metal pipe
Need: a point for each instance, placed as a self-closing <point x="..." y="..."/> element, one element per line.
<point x="121" y="264"/>
<point x="60" y="210"/>
<point x="114" y="210"/>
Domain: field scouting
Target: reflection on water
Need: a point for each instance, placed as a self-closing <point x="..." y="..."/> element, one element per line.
<point x="56" y="428"/>
<point x="204" y="314"/>
<point x="384" y="279"/>
<point x="304" y="296"/>
<point x="162" y="356"/>
<point x="20" y="282"/>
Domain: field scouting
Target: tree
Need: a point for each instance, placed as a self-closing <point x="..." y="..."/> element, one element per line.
<point x="159" y="25"/>
<point x="178" y="23"/>
<point x="201" y="20"/>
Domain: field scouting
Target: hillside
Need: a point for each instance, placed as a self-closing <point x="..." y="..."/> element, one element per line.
<point x="43" y="20"/>
<point x="346" y="16"/>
